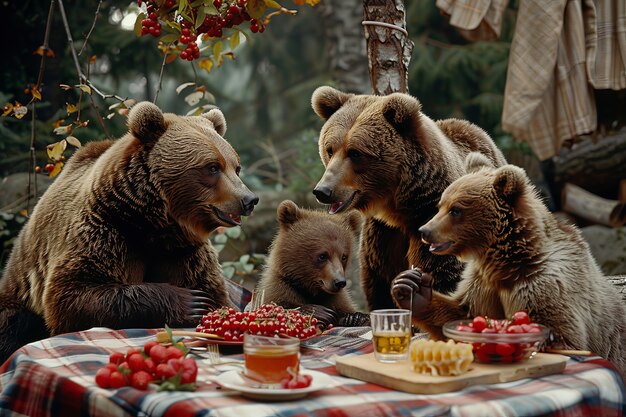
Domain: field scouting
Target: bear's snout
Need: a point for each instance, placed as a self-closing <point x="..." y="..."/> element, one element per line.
<point x="323" y="194"/>
<point x="248" y="202"/>
<point x="426" y="233"/>
<point x="339" y="283"/>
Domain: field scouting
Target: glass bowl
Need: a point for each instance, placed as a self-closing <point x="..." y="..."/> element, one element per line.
<point x="498" y="347"/>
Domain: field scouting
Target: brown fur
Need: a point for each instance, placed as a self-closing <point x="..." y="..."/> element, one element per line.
<point x="391" y="162"/>
<point x="520" y="257"/>
<point x="295" y="274"/>
<point x="121" y="237"/>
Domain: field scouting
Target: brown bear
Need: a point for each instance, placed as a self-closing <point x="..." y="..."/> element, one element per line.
<point x="518" y="256"/>
<point x="307" y="261"/>
<point x="120" y="239"/>
<point x="391" y="162"/>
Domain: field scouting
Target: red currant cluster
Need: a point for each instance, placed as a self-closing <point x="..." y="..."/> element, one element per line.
<point x="296" y="380"/>
<point x="268" y="320"/>
<point x="151" y="25"/>
<point x="230" y="13"/>
<point x="155" y="363"/>
<point x="505" y="349"/>
<point x="192" y="51"/>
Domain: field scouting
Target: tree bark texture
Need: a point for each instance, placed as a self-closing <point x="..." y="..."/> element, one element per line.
<point x="388" y="49"/>
<point x="348" y="57"/>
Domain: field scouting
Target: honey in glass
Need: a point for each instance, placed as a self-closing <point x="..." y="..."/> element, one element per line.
<point x="267" y="359"/>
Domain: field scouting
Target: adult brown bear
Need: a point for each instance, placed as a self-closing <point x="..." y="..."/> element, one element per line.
<point x="120" y="239"/>
<point x="391" y="162"/>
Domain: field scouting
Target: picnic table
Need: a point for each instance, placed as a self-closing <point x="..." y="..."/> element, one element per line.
<point x="55" y="377"/>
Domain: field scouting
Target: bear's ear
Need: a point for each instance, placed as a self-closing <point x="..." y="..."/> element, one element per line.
<point x="509" y="182"/>
<point x="327" y="100"/>
<point x="287" y="213"/>
<point x="354" y="221"/>
<point x="476" y="160"/>
<point x="403" y="112"/>
<point x="146" y="122"/>
<point x="216" y="117"/>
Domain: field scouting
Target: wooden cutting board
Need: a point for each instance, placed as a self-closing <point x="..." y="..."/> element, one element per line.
<point x="400" y="375"/>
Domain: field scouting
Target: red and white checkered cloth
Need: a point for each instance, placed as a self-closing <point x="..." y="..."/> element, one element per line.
<point x="55" y="377"/>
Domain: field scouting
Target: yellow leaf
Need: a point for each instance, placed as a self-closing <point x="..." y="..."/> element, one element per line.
<point x="85" y="88"/>
<point x="70" y="108"/>
<point x="36" y="94"/>
<point x="312" y="2"/>
<point x="234" y="40"/>
<point x="219" y="60"/>
<point x="73" y="140"/>
<point x="57" y="169"/>
<point x="217" y="49"/>
<point x="23" y="213"/>
<point x="55" y="150"/>
<point x="39" y="51"/>
<point x="19" y="111"/>
<point x="272" y="4"/>
<point x="256" y="8"/>
<point x="170" y="58"/>
<point x="58" y="123"/>
<point x="206" y="64"/>
<point x="63" y="130"/>
<point x="8" y="109"/>
<point x="92" y="59"/>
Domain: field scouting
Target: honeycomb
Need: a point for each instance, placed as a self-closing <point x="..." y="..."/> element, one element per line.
<point x="439" y="358"/>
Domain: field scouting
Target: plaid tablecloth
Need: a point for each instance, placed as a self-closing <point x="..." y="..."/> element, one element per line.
<point x="55" y="377"/>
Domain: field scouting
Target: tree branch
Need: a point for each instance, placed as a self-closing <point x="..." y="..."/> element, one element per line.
<point x="159" y="84"/>
<point x="42" y="67"/>
<point x="93" y="25"/>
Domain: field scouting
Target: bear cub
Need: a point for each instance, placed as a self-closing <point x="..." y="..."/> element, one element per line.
<point x="307" y="261"/>
<point x="518" y="256"/>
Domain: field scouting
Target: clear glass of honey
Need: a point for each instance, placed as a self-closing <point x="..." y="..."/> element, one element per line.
<point x="391" y="334"/>
<point x="270" y="359"/>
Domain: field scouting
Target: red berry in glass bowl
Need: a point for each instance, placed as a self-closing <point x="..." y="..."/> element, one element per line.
<point x="501" y="341"/>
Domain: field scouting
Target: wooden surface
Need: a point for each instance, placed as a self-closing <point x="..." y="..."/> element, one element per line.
<point x="400" y="375"/>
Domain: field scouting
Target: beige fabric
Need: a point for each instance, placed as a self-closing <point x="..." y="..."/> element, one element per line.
<point x="606" y="45"/>
<point x="477" y="20"/>
<point x="547" y="98"/>
<point x="561" y="50"/>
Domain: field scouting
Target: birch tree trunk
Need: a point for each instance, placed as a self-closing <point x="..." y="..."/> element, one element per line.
<point x="388" y="45"/>
<point x="344" y="36"/>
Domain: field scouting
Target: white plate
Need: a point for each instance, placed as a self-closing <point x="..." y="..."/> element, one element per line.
<point x="234" y="380"/>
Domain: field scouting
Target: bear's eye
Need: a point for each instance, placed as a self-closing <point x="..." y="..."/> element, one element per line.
<point x="237" y="170"/>
<point x="329" y="151"/>
<point x="344" y="258"/>
<point x="455" y="212"/>
<point x="213" y="169"/>
<point x="322" y="257"/>
<point x="354" y="155"/>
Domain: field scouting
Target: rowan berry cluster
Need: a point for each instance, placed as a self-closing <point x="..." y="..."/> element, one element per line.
<point x="269" y="320"/>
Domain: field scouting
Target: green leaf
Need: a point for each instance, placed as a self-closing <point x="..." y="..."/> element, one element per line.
<point x="229" y="271"/>
<point x="272" y="3"/>
<point x="233" y="232"/>
<point x="137" y="27"/>
<point x="244" y="258"/>
<point x="256" y="8"/>
<point x="217" y="49"/>
<point x="248" y="268"/>
<point x="218" y="247"/>
<point x="170" y="37"/>
<point x="200" y="17"/>
<point x="221" y="238"/>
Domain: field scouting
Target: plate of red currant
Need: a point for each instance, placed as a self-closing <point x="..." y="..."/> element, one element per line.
<point x="229" y="326"/>
<point x="309" y="381"/>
